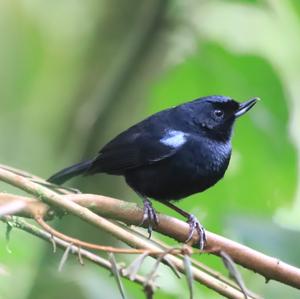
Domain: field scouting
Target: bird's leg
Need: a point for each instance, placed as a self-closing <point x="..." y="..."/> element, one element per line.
<point x="149" y="214"/>
<point x="193" y="223"/>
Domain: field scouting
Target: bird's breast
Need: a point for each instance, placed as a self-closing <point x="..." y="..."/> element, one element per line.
<point x="218" y="155"/>
<point x="210" y="158"/>
<point x="195" y="167"/>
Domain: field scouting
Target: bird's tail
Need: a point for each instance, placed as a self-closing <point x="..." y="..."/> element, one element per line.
<point x="70" y="172"/>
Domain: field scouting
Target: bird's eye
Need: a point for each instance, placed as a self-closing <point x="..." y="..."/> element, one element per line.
<point x="218" y="113"/>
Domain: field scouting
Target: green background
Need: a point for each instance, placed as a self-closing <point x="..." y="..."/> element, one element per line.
<point x="74" y="73"/>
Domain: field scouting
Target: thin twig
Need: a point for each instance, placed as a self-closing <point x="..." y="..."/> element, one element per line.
<point x="79" y="243"/>
<point x="40" y="233"/>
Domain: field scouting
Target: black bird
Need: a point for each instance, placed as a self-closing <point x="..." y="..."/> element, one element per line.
<point x="170" y="155"/>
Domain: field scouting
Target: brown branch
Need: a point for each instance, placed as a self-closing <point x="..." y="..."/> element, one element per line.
<point x="60" y="202"/>
<point x="75" y="250"/>
<point x="269" y="267"/>
<point x="93" y="246"/>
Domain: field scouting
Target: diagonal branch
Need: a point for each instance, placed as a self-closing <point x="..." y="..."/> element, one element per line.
<point x="61" y="202"/>
<point x="33" y="230"/>
<point x="130" y="213"/>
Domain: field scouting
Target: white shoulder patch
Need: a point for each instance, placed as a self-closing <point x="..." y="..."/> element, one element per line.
<point x="174" y="138"/>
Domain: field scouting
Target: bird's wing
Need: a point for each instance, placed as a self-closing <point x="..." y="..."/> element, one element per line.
<point x="134" y="148"/>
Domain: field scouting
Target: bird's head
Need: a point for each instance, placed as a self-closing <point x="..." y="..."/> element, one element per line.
<point x="215" y="115"/>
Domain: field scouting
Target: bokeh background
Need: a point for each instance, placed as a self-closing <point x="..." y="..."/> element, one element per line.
<point x="74" y="73"/>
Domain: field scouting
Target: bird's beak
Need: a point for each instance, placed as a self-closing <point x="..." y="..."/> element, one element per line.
<point x="245" y="106"/>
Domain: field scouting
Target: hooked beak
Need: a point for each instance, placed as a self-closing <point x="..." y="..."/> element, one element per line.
<point x="245" y="106"/>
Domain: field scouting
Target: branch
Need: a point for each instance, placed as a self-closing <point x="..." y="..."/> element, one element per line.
<point x="130" y="213"/>
<point x="33" y="230"/>
<point x="36" y="187"/>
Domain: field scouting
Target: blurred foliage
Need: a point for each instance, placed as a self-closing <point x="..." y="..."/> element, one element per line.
<point x="75" y="73"/>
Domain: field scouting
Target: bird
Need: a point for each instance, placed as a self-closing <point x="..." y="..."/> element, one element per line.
<point x="170" y="155"/>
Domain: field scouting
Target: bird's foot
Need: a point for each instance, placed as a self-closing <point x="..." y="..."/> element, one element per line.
<point x="149" y="216"/>
<point x="195" y="225"/>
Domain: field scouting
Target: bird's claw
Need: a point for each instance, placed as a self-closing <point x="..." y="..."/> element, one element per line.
<point x="196" y="225"/>
<point x="149" y="216"/>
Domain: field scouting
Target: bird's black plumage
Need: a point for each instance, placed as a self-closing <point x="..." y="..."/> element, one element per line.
<point x="173" y="153"/>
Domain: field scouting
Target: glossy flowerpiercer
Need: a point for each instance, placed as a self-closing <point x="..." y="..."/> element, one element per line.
<point x="170" y="155"/>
